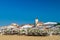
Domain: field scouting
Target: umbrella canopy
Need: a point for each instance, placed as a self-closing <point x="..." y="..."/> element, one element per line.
<point x="47" y="23"/>
<point x="27" y="26"/>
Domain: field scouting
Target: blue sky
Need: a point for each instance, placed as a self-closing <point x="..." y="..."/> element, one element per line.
<point x="25" y="11"/>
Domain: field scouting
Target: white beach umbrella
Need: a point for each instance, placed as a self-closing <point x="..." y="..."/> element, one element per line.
<point x="27" y="26"/>
<point x="47" y="23"/>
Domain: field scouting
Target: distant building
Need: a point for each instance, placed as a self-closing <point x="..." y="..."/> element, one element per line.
<point x="37" y="23"/>
<point x="13" y="25"/>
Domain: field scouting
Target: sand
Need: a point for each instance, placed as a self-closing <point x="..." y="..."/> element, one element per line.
<point x="17" y="37"/>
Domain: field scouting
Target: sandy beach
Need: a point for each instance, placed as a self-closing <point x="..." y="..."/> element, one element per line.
<point x="17" y="37"/>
